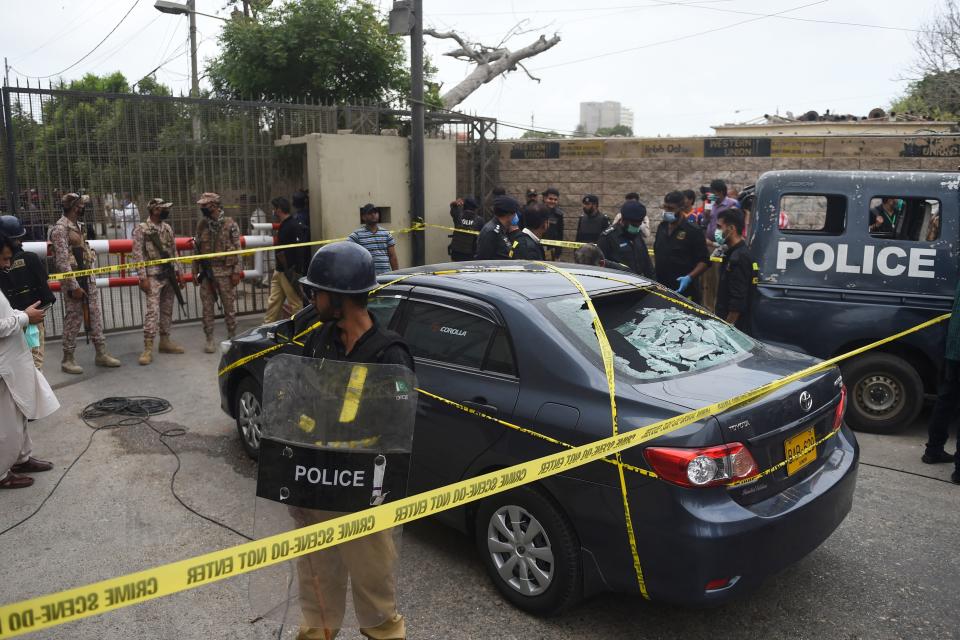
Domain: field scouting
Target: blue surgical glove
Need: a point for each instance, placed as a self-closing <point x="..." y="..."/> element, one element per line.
<point x="684" y="283"/>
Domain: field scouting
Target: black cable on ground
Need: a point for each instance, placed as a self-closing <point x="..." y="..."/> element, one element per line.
<point x="133" y="411"/>
<point x="909" y="473"/>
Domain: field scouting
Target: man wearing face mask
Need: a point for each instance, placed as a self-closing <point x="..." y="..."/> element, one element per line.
<point x="494" y="242"/>
<point x="738" y="273"/>
<point x="680" y="248"/>
<point x="623" y="242"/>
<point x="592" y="223"/>
<point x="338" y="282"/>
<point x="217" y="277"/>
<point x="72" y="252"/>
<point x="25" y="283"/>
<point x="153" y="239"/>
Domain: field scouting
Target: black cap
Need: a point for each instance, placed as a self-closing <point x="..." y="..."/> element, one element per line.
<point x="503" y="205"/>
<point x="367" y="208"/>
<point x="469" y="204"/>
<point x="12" y="226"/>
<point x="633" y="210"/>
<point x="532" y="192"/>
<point x="591" y="199"/>
<point x="551" y="191"/>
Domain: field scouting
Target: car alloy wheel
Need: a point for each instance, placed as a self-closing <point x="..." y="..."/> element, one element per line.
<point x="530" y="550"/>
<point x="520" y="550"/>
<point x="249" y="412"/>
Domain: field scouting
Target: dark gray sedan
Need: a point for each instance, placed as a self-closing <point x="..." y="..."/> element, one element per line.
<point x="520" y="346"/>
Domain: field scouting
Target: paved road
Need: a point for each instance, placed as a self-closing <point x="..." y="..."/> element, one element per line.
<point x="890" y="571"/>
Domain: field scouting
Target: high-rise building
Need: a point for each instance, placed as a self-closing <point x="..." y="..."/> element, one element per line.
<point x="602" y="115"/>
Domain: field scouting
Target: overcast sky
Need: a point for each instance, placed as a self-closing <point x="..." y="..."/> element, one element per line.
<point x="647" y="54"/>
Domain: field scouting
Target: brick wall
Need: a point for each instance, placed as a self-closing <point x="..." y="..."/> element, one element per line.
<point x="652" y="167"/>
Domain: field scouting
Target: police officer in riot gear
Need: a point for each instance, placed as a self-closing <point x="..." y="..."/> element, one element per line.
<point x="26" y="281"/>
<point x="623" y="241"/>
<point x="338" y="281"/>
<point x="494" y="240"/>
<point x="466" y="218"/>
<point x="592" y="223"/>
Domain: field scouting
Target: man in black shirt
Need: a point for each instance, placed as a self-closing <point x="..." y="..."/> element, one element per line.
<point x="592" y="223"/>
<point x="338" y="281"/>
<point x="738" y="272"/>
<point x="551" y="198"/>
<point x="493" y="243"/>
<point x="883" y="217"/>
<point x="622" y="242"/>
<point x="290" y="262"/>
<point x="526" y="244"/>
<point x="466" y="218"/>
<point x="680" y="250"/>
<point x="26" y="281"/>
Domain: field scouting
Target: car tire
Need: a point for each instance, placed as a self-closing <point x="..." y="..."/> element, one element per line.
<point x="541" y="573"/>
<point x="248" y="407"/>
<point x="886" y="393"/>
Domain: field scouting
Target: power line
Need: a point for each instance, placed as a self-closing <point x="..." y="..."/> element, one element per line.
<point x="578" y="10"/>
<point x="679" y="38"/>
<point x="70" y="27"/>
<point x="89" y="53"/>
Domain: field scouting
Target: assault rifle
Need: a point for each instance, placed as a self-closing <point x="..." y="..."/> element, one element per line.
<point x="168" y="271"/>
<point x="206" y="273"/>
<point x="84" y="281"/>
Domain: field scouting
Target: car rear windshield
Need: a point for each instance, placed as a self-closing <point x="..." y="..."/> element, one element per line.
<point x="653" y="335"/>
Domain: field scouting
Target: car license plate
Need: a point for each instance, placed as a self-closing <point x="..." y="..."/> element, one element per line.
<point x="794" y="448"/>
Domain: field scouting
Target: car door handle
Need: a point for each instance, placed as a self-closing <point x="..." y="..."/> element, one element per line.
<point x="480" y="404"/>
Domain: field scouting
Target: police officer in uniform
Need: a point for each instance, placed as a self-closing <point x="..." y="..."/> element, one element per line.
<point x="680" y="249"/>
<point x="738" y="272"/>
<point x="26" y="281"/>
<point x="338" y="281"/>
<point x="623" y="242"/>
<point x="466" y="218"/>
<point x="525" y="244"/>
<point x="592" y="223"/>
<point x="494" y="242"/>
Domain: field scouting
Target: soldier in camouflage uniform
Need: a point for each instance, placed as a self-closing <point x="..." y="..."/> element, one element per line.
<point x="218" y="277"/>
<point x="152" y="238"/>
<point x="70" y="248"/>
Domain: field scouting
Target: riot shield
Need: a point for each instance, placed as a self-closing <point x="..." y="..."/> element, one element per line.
<point x="336" y="439"/>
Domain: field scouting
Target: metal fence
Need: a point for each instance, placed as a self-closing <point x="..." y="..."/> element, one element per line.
<point x="124" y="149"/>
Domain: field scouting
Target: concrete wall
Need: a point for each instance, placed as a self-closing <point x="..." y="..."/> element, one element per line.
<point x="652" y="167"/>
<point x="346" y="171"/>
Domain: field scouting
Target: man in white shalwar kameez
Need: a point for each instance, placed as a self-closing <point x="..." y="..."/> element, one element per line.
<point x="24" y="392"/>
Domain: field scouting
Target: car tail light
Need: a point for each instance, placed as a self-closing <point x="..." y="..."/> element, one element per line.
<point x="841" y="408"/>
<point x="719" y="583"/>
<point x="704" y="467"/>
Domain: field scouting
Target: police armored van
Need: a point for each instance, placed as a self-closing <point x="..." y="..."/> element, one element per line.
<point x="850" y="257"/>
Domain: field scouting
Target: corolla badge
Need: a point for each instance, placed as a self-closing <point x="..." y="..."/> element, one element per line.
<point x="806" y="401"/>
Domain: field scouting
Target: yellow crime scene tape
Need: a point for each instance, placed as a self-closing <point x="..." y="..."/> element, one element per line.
<point x="107" y="595"/>
<point x="115" y="593"/>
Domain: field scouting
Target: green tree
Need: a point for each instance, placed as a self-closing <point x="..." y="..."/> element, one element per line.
<point x="541" y="134"/>
<point x="935" y="90"/>
<point x="333" y="51"/>
<point x="610" y="132"/>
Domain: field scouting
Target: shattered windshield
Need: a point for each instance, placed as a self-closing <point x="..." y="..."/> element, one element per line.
<point x="651" y="336"/>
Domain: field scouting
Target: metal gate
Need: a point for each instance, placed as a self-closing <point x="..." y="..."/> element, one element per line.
<point x="124" y="149"/>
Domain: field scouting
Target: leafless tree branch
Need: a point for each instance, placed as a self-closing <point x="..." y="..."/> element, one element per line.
<point x="491" y="62"/>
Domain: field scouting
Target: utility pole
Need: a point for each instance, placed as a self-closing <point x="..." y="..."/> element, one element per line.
<point x="194" y="80"/>
<point x="6" y="72"/>
<point x="417" y="197"/>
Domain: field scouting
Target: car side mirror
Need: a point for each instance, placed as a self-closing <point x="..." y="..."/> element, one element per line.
<point x="284" y="331"/>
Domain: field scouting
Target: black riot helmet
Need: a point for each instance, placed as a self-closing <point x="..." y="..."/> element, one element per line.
<point x="341" y="267"/>
<point x="12" y="227"/>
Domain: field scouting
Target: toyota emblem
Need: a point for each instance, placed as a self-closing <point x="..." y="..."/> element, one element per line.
<point x="806" y="401"/>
